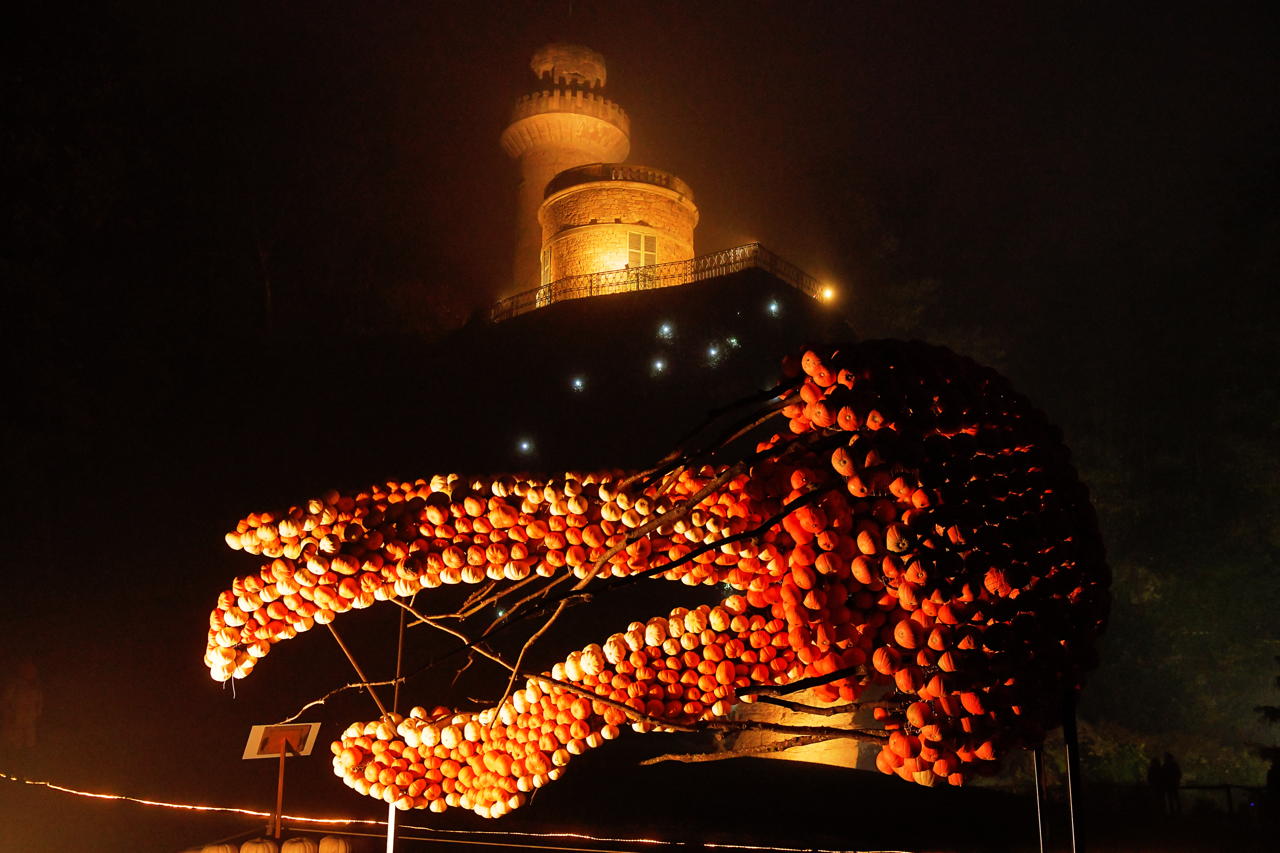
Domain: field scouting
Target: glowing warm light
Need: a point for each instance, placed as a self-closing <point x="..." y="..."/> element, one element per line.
<point x="191" y="807"/>
<point x="615" y="259"/>
<point x="828" y="293"/>
<point x="342" y="821"/>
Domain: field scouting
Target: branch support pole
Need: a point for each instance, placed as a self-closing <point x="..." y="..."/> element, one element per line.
<point x="1071" y="739"/>
<point x="395" y="704"/>
<point x="277" y="829"/>
<point x="1037" y="764"/>
<point x="359" y="673"/>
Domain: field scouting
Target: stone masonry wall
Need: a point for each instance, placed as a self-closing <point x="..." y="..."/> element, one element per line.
<point x="586" y="226"/>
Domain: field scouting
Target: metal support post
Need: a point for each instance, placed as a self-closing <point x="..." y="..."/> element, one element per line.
<point x="1037" y="764"/>
<point x="1071" y="739"/>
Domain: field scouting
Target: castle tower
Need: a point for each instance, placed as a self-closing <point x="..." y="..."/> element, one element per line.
<point x="565" y="125"/>
<point x="607" y="216"/>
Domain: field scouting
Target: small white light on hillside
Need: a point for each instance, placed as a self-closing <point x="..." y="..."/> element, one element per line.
<point x="774" y="307"/>
<point x="525" y="446"/>
<point x="666" y="331"/>
<point x="578" y="383"/>
<point x="659" y="365"/>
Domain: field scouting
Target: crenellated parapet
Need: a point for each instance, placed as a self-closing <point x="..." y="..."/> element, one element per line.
<point x="570" y="64"/>
<point x="566" y="123"/>
<point x="553" y="111"/>
<point x="595" y="172"/>
<point x="578" y="101"/>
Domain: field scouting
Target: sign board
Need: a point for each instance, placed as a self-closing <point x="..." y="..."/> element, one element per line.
<point x="269" y="741"/>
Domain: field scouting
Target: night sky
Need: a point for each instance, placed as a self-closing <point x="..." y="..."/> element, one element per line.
<point x="1083" y="196"/>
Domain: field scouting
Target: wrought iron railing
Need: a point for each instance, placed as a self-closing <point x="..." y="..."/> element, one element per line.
<point x="750" y="256"/>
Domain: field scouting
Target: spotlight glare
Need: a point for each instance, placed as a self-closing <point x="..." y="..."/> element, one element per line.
<point x="828" y="293"/>
<point x="774" y="307"/>
<point x="666" y="331"/>
<point x="525" y="446"/>
<point x="659" y="365"/>
<point x="578" y="383"/>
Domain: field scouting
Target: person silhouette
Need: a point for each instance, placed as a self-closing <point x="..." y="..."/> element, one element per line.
<point x="1171" y="775"/>
<point x="1155" y="782"/>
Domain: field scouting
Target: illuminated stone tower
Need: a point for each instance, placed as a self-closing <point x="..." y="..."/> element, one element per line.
<point x="568" y="124"/>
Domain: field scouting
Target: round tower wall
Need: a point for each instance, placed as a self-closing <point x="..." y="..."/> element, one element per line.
<point x="587" y="227"/>
<point x="547" y="143"/>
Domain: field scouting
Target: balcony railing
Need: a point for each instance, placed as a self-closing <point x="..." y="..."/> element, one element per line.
<point x="750" y="256"/>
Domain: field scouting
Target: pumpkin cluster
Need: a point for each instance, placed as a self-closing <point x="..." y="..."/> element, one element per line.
<point x="343" y="552"/>
<point x="967" y="542"/>
<point x="917" y="529"/>
<point x="673" y="670"/>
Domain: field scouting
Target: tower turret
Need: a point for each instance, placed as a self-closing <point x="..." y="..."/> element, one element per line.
<point x="609" y="216"/>
<point x="569" y="123"/>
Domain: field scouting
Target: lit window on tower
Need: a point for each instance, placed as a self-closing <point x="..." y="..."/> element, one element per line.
<point x="642" y="249"/>
<point x="546" y="266"/>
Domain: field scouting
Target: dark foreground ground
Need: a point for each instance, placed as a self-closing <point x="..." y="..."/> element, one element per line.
<point x="741" y="804"/>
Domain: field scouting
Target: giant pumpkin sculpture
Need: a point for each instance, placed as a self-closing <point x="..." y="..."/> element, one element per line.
<point x="917" y="530"/>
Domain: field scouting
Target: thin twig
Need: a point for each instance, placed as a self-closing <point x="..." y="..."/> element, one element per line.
<point x="876" y="735"/>
<point x="631" y="713"/>
<point x="732" y="434"/>
<point x="497" y="596"/>
<point x="802" y="684"/>
<point x="479" y="593"/>
<point x="815" y="710"/>
<point x="744" y="752"/>
<point x="676" y="455"/>
<point x="512" y="616"/>
<point x="364" y="679"/>
<point x="787" y="508"/>
<point x="670" y="517"/>
<point x="355" y="685"/>
<point x="515" y="669"/>
<point x="472" y="645"/>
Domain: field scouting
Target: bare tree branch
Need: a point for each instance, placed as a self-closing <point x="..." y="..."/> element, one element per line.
<point x="816" y="710"/>
<point x="744" y="752"/>
<point x="874" y="735"/>
<point x="801" y="684"/>
<point x="515" y="669"/>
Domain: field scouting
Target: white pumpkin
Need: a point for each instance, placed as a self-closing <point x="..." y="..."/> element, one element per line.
<point x="301" y="844"/>
<point x="259" y="845"/>
<point x="334" y="844"/>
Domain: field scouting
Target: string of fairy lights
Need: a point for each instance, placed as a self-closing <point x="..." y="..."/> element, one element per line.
<point x="483" y="836"/>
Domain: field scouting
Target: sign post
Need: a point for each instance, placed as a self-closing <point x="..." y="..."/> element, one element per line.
<point x="267" y="741"/>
